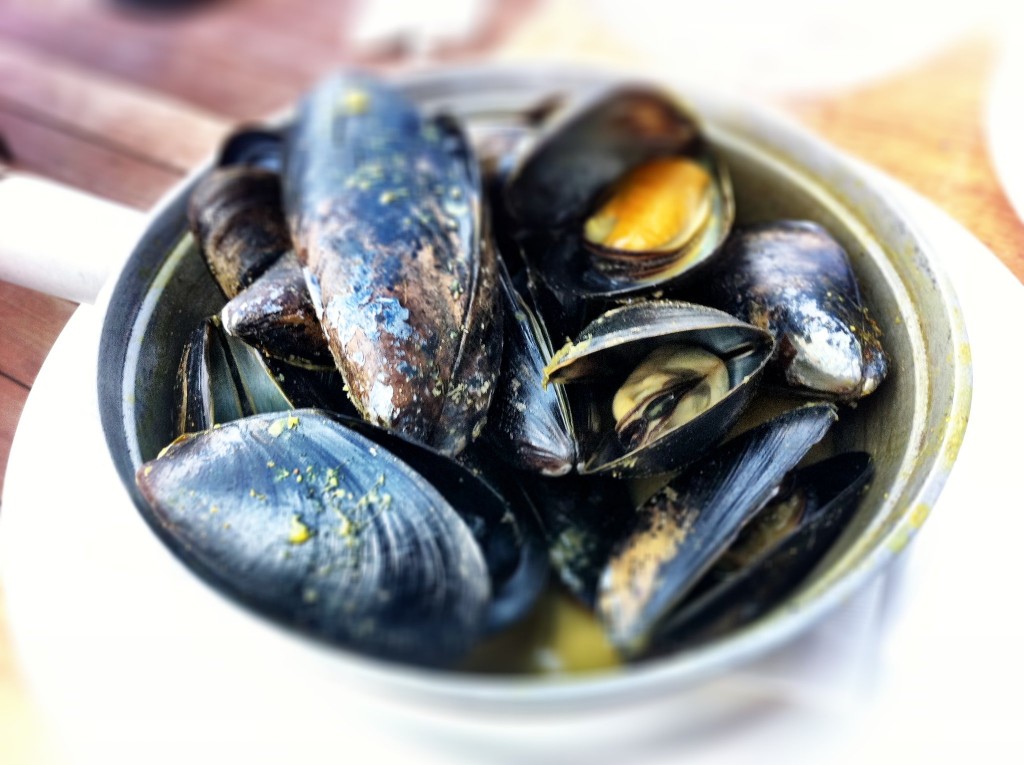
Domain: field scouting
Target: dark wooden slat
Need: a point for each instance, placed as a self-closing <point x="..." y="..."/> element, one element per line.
<point x="75" y="160"/>
<point x="125" y="118"/>
<point x="31" y="322"/>
<point x="220" y="60"/>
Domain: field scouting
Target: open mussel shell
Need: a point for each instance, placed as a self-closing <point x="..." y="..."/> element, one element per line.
<point x="236" y="218"/>
<point x="685" y="527"/>
<point x="658" y="435"/>
<point x="795" y="280"/>
<point x="276" y="315"/>
<point x="221" y="379"/>
<point x="774" y="552"/>
<point x="390" y="226"/>
<point x="319" y="527"/>
<point x="621" y="195"/>
<point x="589" y="145"/>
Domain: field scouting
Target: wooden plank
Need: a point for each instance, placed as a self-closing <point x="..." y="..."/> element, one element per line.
<point x="221" y="59"/>
<point x="925" y="126"/>
<point x="31" y="321"/>
<point x="124" y="118"/>
<point x="12" y="401"/>
<point x="77" y="161"/>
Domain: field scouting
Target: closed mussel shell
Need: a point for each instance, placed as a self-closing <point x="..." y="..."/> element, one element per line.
<point x="795" y="280"/>
<point x="276" y="315"/>
<point x="315" y="525"/>
<point x="236" y="218"/>
<point x="684" y="528"/>
<point x="494" y="509"/>
<point x="384" y="205"/>
<point x="774" y="552"/>
<point x="629" y="349"/>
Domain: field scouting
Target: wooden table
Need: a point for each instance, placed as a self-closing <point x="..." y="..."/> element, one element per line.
<point x="122" y="106"/>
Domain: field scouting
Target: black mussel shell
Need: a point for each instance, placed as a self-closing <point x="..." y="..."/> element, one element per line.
<point x="253" y="147"/>
<point x="389" y="224"/>
<point x="795" y="280"/>
<point x="495" y="511"/>
<point x="775" y="552"/>
<point x="235" y="215"/>
<point x="276" y="315"/>
<point x="530" y="424"/>
<point x="221" y="379"/>
<point x="682" y="530"/>
<point x="315" y="525"/>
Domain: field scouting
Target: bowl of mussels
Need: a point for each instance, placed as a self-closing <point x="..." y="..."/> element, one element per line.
<point x="488" y="379"/>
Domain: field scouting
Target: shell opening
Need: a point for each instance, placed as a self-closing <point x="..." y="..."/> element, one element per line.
<point x="671" y="386"/>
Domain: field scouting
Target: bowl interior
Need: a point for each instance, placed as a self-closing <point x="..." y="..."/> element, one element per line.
<point x="911" y="425"/>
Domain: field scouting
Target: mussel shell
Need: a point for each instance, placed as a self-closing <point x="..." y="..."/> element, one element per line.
<point x="795" y="280"/>
<point x="496" y="512"/>
<point x="315" y="525"/>
<point x="221" y="379"/>
<point x="608" y="349"/>
<point x="561" y="176"/>
<point x="276" y="315"/>
<point x="593" y="142"/>
<point x="389" y="224"/>
<point x="236" y="218"/>
<point x="682" y="529"/>
<point x="529" y="423"/>
<point x="253" y="147"/>
<point x="832" y="490"/>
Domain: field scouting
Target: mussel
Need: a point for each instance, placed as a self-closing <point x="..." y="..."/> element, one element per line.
<point x="774" y="552"/>
<point x="795" y="280"/>
<point x="680" y="531"/>
<point x="665" y="381"/>
<point x="276" y="315"/>
<point x="235" y="215"/>
<point x="384" y="205"/>
<point x="221" y="379"/>
<point x="324" y="528"/>
<point x="621" y="194"/>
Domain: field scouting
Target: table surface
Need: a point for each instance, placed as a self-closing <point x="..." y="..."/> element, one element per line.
<point x="123" y="105"/>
